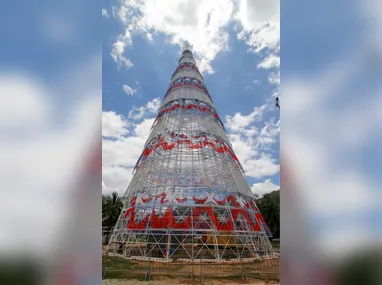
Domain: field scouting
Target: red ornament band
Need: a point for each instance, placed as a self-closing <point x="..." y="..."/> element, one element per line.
<point x="169" y="221"/>
<point x="188" y="104"/>
<point x="194" y="142"/>
<point x="188" y="82"/>
<point x="187" y="65"/>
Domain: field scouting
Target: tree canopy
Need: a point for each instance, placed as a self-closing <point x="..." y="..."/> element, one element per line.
<point x="111" y="208"/>
<point x="269" y="206"/>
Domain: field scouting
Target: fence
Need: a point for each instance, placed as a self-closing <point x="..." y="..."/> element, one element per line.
<point x="118" y="267"/>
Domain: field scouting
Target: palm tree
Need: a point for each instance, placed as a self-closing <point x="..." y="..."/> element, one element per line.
<point x="111" y="208"/>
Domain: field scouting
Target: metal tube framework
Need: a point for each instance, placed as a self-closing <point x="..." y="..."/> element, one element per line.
<point x="188" y="199"/>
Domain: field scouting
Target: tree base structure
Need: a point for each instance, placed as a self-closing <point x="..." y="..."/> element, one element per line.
<point x="191" y="228"/>
<point x="188" y="199"/>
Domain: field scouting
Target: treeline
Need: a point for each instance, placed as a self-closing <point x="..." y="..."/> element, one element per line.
<point x="269" y="206"/>
<point x="111" y="208"/>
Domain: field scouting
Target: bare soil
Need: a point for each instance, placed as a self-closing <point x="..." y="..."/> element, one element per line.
<point x="176" y="281"/>
<point x="133" y="273"/>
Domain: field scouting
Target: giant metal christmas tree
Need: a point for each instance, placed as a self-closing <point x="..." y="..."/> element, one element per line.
<point x="188" y="199"/>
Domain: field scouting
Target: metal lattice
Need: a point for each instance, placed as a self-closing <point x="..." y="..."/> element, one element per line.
<point x="188" y="199"/>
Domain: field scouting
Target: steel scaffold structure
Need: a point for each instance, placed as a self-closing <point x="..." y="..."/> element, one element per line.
<point x="188" y="199"/>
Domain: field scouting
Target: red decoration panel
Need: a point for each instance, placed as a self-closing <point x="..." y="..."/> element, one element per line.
<point x="187" y="65"/>
<point x="203" y="141"/>
<point x="187" y="81"/>
<point x="168" y="220"/>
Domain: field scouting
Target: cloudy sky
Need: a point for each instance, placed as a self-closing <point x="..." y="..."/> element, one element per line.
<point x="236" y="45"/>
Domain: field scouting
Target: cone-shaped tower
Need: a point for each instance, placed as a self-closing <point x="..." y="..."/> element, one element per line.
<point x="188" y="198"/>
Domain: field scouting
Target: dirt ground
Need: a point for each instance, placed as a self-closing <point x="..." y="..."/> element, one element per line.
<point x="166" y="281"/>
<point x="173" y="279"/>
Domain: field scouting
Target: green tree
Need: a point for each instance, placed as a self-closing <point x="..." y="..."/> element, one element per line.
<point x="269" y="206"/>
<point x="111" y="208"/>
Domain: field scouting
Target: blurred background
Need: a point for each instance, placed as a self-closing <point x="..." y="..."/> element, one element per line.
<point x="50" y="142"/>
<point x="50" y="149"/>
<point x="331" y="70"/>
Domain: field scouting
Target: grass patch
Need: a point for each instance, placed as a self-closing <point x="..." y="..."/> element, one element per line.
<point x="115" y="263"/>
<point x="115" y="267"/>
<point x="233" y="275"/>
<point x="124" y="275"/>
<point x="118" y="268"/>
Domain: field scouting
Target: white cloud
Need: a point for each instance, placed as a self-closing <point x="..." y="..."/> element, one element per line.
<point x="269" y="134"/>
<point x="264" y="187"/>
<point x="104" y="13"/>
<point x="153" y="105"/>
<point x="266" y="36"/>
<point x="142" y="130"/>
<point x="150" y="108"/>
<point x="113" y="125"/>
<point x="243" y="147"/>
<point x="120" y="156"/>
<point x="201" y="23"/>
<point x="118" y="50"/>
<point x="250" y="142"/>
<point x="137" y="113"/>
<point x="149" y="37"/>
<point x="253" y="13"/>
<point x="260" y="21"/>
<point x="25" y="104"/>
<point x="122" y="152"/>
<point x="274" y="78"/>
<point x="116" y="178"/>
<point x="238" y="122"/>
<point x="45" y="142"/>
<point x="271" y="61"/>
<point x="204" y="24"/>
<point x="128" y="90"/>
<point x="261" y="166"/>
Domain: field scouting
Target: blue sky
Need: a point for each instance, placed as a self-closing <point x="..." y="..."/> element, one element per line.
<point x="229" y="50"/>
